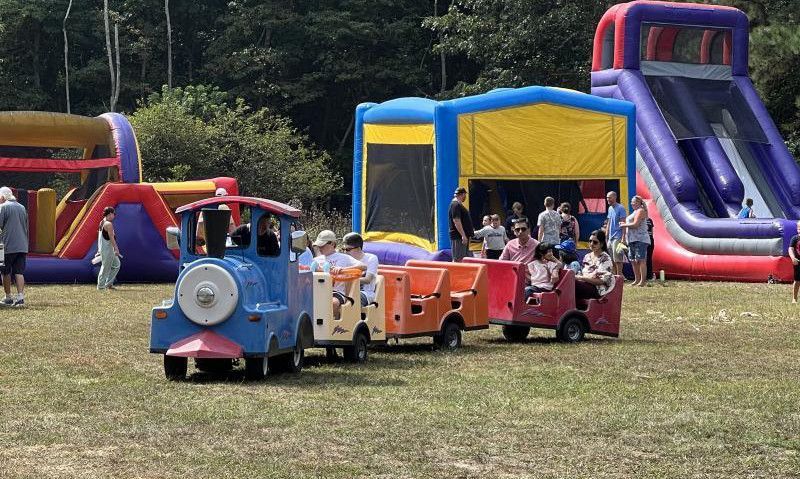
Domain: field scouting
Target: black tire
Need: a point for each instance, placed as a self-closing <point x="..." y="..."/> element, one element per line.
<point x="213" y="365"/>
<point x="515" y="334"/>
<point x="450" y="337"/>
<point x="256" y="369"/>
<point x="572" y="330"/>
<point x="175" y="367"/>
<point x="331" y="354"/>
<point x="358" y="352"/>
<point x="291" y="363"/>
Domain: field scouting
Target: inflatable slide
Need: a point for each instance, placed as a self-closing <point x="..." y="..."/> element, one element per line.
<point x="65" y="169"/>
<point x="705" y="141"/>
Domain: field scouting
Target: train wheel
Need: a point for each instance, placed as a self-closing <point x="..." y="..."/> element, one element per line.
<point x="175" y="367"/>
<point x="358" y="352"/>
<point x="293" y="362"/>
<point x="571" y="330"/>
<point x="451" y="336"/>
<point x="290" y="362"/>
<point x="256" y="368"/>
<point x="515" y="334"/>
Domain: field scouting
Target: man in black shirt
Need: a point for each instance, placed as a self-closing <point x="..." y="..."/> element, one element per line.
<point x="460" y="225"/>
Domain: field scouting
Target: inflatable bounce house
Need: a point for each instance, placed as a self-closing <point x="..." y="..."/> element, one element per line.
<point x="95" y="162"/>
<point x="503" y="146"/>
<point x="705" y="140"/>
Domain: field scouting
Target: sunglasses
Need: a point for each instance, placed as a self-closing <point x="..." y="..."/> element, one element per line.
<point x="348" y="248"/>
<point x="521" y="228"/>
<point x="594" y="241"/>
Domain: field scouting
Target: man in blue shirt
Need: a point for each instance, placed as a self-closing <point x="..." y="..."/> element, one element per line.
<point x="616" y="214"/>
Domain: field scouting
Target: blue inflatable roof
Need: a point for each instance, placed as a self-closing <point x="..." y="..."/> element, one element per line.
<point x="402" y="110"/>
<point x="421" y="110"/>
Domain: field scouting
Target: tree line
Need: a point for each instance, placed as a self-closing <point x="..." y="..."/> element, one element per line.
<point x="292" y="71"/>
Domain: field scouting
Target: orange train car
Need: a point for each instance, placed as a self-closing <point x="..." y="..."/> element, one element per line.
<point x="437" y="299"/>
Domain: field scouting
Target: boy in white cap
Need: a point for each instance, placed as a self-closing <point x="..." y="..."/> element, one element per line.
<point x="14" y="235"/>
<point x="333" y="262"/>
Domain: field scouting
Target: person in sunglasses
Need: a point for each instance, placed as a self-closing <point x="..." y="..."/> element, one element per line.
<point x="522" y="247"/>
<point x="353" y="245"/>
<point x="597" y="275"/>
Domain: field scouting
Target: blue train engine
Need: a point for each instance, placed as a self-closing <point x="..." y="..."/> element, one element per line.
<point x="239" y="294"/>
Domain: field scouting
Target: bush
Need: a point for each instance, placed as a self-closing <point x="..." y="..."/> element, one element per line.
<point x="192" y="133"/>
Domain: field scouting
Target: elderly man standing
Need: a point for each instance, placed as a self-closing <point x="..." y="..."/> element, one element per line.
<point x="14" y="235"/>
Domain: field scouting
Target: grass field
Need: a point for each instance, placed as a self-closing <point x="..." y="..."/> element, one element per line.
<point x="703" y="382"/>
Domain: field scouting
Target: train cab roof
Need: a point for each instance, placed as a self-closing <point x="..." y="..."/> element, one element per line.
<point x="274" y="207"/>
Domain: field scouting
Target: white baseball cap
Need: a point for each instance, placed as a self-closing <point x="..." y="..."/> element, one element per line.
<point x="221" y="192"/>
<point x="324" y="237"/>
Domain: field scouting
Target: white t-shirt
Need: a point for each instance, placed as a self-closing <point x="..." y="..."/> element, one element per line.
<point x="337" y="260"/>
<point x="542" y="273"/>
<point x="496" y="238"/>
<point x="372" y="268"/>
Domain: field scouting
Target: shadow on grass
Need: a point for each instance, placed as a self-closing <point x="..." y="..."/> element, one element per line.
<point x="596" y="340"/>
<point x="306" y="379"/>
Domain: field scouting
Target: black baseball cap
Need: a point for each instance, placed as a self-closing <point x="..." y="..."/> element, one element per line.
<point x="460" y="190"/>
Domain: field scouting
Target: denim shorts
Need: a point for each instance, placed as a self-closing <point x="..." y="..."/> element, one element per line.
<point x="637" y="251"/>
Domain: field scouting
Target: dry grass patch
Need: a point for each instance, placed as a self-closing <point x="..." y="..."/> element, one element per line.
<point x="702" y="383"/>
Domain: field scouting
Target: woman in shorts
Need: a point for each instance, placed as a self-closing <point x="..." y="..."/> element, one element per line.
<point x="636" y="237"/>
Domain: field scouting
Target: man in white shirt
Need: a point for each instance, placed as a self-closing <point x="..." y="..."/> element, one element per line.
<point x="333" y="262"/>
<point x="353" y="245"/>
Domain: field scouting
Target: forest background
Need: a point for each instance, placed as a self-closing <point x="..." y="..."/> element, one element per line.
<point x="265" y="90"/>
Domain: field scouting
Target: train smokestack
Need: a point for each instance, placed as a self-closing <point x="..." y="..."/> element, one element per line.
<point x="216" y="224"/>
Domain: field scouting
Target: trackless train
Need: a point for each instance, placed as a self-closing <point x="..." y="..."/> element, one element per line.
<point x="242" y="294"/>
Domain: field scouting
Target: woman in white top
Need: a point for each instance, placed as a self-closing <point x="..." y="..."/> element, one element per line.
<point x="636" y="237"/>
<point x="544" y="270"/>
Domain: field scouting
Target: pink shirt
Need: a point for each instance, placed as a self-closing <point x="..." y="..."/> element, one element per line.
<point x="517" y="252"/>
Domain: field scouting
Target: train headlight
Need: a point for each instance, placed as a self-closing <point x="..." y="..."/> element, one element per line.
<point x="207" y="294"/>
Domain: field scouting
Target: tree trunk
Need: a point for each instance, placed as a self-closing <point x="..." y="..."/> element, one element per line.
<point x="169" y="44"/>
<point x="441" y="53"/>
<point x="112" y="103"/>
<point x="66" y="55"/>
<point x="117" y="83"/>
<point x="346" y="134"/>
<point x="37" y="39"/>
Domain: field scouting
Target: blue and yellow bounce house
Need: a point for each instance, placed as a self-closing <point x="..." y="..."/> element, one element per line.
<point x="504" y="146"/>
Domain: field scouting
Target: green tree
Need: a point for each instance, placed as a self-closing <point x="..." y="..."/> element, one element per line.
<point x="515" y="43"/>
<point x="194" y="132"/>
